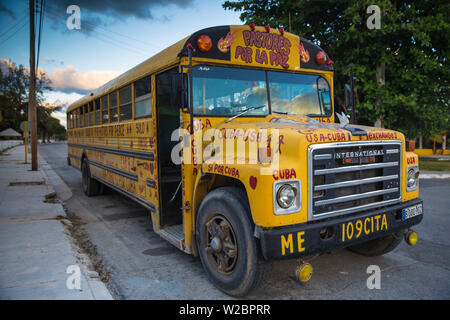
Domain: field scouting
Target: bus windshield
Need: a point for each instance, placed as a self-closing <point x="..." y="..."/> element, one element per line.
<point x="222" y="91"/>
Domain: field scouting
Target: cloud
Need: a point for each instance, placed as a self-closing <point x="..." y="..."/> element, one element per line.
<point x="97" y="13"/>
<point x="5" y="65"/>
<point x="69" y="79"/>
<point x="53" y="61"/>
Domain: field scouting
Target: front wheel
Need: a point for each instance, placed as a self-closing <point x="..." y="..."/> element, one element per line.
<point x="226" y="245"/>
<point x="379" y="246"/>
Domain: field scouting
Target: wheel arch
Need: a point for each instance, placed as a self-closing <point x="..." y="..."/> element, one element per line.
<point x="204" y="184"/>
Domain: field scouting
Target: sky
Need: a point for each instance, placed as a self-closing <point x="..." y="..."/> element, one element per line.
<point x="114" y="36"/>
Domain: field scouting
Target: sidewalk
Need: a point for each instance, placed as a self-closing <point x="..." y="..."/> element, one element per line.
<point x="434" y="175"/>
<point x="35" y="250"/>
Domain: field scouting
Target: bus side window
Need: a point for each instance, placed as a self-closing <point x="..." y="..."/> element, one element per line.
<point x="82" y="117"/>
<point x="86" y="116"/>
<point x="105" y="118"/>
<point x="125" y="103"/>
<point x="97" y="111"/>
<point x="143" y="98"/>
<point x="113" y="106"/>
<point x="91" y="113"/>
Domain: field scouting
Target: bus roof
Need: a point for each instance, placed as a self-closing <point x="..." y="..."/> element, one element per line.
<point x="238" y="45"/>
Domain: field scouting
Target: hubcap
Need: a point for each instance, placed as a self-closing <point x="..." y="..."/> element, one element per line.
<point x="216" y="244"/>
<point x="221" y="244"/>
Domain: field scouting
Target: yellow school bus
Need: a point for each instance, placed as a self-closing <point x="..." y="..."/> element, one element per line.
<point x="229" y="138"/>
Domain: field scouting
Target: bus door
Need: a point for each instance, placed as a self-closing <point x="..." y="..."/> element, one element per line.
<point x="168" y="120"/>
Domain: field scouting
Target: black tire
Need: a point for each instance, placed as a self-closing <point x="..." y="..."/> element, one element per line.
<point x="233" y="263"/>
<point x="90" y="186"/>
<point x="379" y="246"/>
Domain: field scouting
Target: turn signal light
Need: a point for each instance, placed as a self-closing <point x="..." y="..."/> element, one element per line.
<point x="411" y="238"/>
<point x="304" y="272"/>
<point x="204" y="43"/>
<point x="321" y="57"/>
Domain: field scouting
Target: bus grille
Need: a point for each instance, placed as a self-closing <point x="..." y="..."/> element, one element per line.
<point x="353" y="176"/>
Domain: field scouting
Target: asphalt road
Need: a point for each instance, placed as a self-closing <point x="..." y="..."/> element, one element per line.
<point x="144" y="266"/>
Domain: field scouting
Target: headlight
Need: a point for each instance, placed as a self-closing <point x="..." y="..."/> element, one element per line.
<point x="287" y="196"/>
<point x="412" y="178"/>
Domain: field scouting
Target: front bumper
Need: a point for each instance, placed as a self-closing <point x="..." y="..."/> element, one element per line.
<point x="306" y="239"/>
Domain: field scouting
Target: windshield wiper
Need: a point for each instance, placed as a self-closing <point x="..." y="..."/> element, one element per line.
<point x="279" y="112"/>
<point x="244" y="112"/>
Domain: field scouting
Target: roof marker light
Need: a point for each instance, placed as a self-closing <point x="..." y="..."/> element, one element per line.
<point x="190" y="47"/>
<point x="204" y="43"/>
<point x="321" y="57"/>
<point x="252" y="26"/>
<point x="329" y="62"/>
<point x="267" y="28"/>
<point x="282" y="31"/>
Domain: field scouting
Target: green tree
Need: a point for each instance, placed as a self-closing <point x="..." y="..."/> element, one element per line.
<point x="14" y="83"/>
<point x="401" y="69"/>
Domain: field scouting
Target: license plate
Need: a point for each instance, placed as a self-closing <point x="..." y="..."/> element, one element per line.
<point x="411" y="211"/>
<point x="363" y="227"/>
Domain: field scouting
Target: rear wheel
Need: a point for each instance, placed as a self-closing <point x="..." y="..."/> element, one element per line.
<point x="228" y="250"/>
<point x="379" y="246"/>
<point x="91" y="187"/>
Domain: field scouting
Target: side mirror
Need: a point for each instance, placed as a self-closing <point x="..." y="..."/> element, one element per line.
<point x="177" y="93"/>
<point x="348" y="97"/>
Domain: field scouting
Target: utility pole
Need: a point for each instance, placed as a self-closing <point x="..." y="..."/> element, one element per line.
<point x="32" y="92"/>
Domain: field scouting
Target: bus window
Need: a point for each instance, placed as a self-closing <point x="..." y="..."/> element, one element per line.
<point x="228" y="91"/>
<point x="304" y="94"/>
<point x="91" y="113"/>
<point x="97" y="111"/>
<point x="125" y="103"/>
<point x="86" y="115"/>
<point x="142" y="98"/>
<point x="105" y="109"/>
<point x="113" y="106"/>
<point x="82" y="116"/>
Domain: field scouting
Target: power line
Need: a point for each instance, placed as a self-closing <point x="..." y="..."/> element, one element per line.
<point x="95" y="29"/>
<point x="115" y="42"/>
<point x="109" y="40"/>
<point x="24" y="23"/>
<point x="15" y="24"/>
